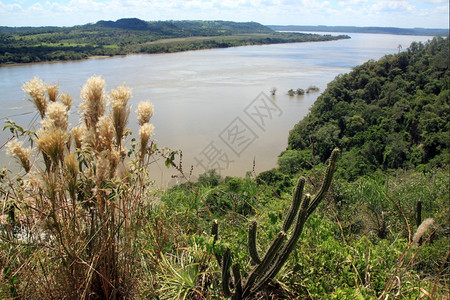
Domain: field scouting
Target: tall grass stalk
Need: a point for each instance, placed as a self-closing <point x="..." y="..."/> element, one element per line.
<point x="75" y="211"/>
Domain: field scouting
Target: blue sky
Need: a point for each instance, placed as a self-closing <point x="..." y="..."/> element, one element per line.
<point x="386" y="13"/>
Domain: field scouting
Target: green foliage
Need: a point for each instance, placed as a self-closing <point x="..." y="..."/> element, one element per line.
<point x="292" y="161"/>
<point x="389" y="114"/>
<point x="210" y="178"/>
<point x="385" y="205"/>
<point x="300" y="92"/>
<point x="280" y="182"/>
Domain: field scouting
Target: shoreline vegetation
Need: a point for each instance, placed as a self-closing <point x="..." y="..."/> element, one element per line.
<point x="133" y="36"/>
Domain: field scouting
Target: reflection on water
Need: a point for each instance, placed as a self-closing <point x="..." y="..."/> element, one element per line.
<point x="198" y="94"/>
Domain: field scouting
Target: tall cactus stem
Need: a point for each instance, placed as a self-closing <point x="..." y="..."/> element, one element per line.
<point x="252" y="242"/>
<point x="237" y="279"/>
<point x="288" y="247"/>
<point x="277" y="254"/>
<point x="226" y="262"/>
<point x="266" y="262"/>
<point x="296" y="200"/>
<point x="326" y="181"/>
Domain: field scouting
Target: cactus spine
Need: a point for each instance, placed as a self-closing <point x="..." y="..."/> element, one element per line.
<point x="265" y="268"/>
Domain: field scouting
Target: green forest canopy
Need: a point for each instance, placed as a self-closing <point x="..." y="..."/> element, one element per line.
<point x="386" y="114"/>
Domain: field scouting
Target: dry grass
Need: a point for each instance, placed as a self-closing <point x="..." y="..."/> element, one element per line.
<point x="73" y="214"/>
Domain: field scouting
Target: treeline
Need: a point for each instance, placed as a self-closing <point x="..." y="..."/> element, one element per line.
<point x="198" y="43"/>
<point x="355" y="29"/>
<point x="386" y="114"/>
<point x="126" y="36"/>
<point x="186" y="28"/>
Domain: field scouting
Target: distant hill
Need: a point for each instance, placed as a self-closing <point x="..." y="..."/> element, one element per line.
<point x="192" y="28"/>
<point x="130" y="23"/>
<point x="355" y="29"/>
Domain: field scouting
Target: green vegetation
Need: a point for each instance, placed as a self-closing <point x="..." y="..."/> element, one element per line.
<point x="301" y="92"/>
<point x="389" y="114"/>
<point x="125" y="36"/>
<point x="355" y="29"/>
<point x="82" y="220"/>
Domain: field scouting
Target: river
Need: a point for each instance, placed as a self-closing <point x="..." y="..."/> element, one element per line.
<point x="214" y="104"/>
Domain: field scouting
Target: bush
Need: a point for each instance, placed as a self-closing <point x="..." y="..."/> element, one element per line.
<point x="210" y="178"/>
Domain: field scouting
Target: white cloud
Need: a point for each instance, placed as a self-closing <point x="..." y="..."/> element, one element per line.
<point x="442" y="9"/>
<point x="402" y="13"/>
<point x="10" y="8"/>
<point x="392" y="6"/>
<point x="86" y="5"/>
<point x="432" y="1"/>
<point x="58" y="8"/>
<point x="36" y="8"/>
<point x="348" y="3"/>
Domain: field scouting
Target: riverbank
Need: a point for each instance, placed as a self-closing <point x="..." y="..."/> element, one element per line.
<point x="132" y="36"/>
<point x="172" y="45"/>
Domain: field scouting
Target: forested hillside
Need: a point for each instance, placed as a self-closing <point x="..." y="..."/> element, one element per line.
<point x="386" y="114"/>
<point x="125" y="36"/>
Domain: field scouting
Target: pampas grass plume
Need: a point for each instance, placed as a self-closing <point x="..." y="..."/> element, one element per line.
<point x="53" y="143"/>
<point x="93" y="102"/>
<point x="57" y="112"/>
<point x="15" y="149"/>
<point x="120" y="111"/>
<point x="52" y="92"/>
<point x="145" y="132"/>
<point x="35" y="88"/>
<point x="70" y="161"/>
<point x="77" y="133"/>
<point x="424" y="226"/>
<point x="144" y="112"/>
<point x="106" y="133"/>
<point x="66" y="99"/>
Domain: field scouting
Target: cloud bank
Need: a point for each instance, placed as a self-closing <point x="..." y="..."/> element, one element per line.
<point x="396" y="13"/>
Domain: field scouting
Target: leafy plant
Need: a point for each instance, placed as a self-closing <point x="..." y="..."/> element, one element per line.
<point x="300" y="92"/>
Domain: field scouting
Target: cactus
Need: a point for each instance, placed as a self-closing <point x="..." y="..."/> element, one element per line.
<point x="267" y="267"/>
